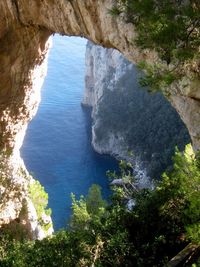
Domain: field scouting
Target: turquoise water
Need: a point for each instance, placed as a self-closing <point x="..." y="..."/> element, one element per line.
<point x="57" y="147"/>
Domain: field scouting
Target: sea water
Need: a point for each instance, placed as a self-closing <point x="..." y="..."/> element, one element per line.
<point x="57" y="147"/>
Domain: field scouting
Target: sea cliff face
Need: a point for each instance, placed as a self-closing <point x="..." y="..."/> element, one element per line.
<point x="24" y="31"/>
<point x="121" y="125"/>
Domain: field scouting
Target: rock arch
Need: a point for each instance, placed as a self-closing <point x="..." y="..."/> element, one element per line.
<point x="24" y="30"/>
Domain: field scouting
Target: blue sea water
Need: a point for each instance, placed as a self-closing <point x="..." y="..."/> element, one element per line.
<point x="57" y="146"/>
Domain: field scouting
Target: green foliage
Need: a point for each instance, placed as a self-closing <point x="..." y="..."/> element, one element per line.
<point x="128" y="182"/>
<point x="162" y="222"/>
<point x="14" y="230"/>
<point x="87" y="209"/>
<point x="80" y="216"/>
<point x="39" y="198"/>
<point x="183" y="187"/>
<point x="40" y="201"/>
<point x="114" y="11"/>
<point x="94" y="201"/>
<point x="155" y="78"/>
<point x="169" y="27"/>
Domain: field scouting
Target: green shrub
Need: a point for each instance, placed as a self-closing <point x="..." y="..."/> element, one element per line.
<point x="40" y="201"/>
<point x="169" y="27"/>
<point x="162" y="222"/>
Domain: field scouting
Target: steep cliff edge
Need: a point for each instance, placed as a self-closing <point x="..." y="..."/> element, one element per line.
<point x="120" y="123"/>
<point x="24" y="30"/>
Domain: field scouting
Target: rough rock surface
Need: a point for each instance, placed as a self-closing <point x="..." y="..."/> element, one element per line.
<point x="24" y="29"/>
<point x="15" y="199"/>
<point x="25" y="26"/>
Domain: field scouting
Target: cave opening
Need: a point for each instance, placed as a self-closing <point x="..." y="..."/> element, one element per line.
<point x="57" y="147"/>
<point x="128" y="122"/>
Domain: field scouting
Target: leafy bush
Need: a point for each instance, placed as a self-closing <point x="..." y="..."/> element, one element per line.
<point x="40" y="201"/>
<point x="169" y="27"/>
<point x="162" y="222"/>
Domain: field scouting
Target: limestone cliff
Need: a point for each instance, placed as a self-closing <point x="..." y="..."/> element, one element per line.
<point x="24" y="30"/>
<point x="120" y="123"/>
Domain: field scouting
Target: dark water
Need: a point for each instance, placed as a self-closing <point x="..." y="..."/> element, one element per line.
<point x="57" y="147"/>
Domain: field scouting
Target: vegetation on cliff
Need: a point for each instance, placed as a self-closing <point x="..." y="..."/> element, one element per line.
<point x="162" y="222"/>
<point x="169" y="27"/>
<point x="39" y="199"/>
<point x="150" y="133"/>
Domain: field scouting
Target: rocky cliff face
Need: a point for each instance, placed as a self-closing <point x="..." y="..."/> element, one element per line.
<point x="17" y="210"/>
<point x="104" y="67"/>
<point x="120" y="123"/>
<point x="24" y="30"/>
